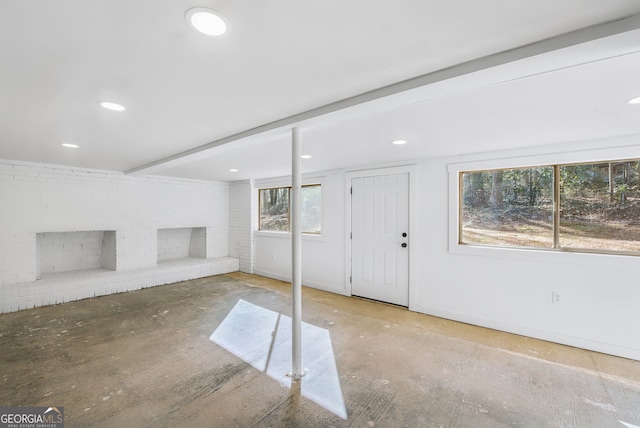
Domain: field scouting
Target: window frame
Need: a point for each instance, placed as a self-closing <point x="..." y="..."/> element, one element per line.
<point x="288" y="232"/>
<point x="461" y="206"/>
<point x="455" y="170"/>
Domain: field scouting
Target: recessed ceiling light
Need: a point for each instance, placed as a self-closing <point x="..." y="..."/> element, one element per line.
<point x="233" y="170"/>
<point x="306" y="156"/>
<point x="111" y="105"/>
<point x="70" y="145"/>
<point x="635" y="100"/>
<point x="399" y="142"/>
<point x="207" y="21"/>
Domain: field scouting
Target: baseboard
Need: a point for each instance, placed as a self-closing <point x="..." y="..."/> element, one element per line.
<point x="310" y="284"/>
<point x="578" y="342"/>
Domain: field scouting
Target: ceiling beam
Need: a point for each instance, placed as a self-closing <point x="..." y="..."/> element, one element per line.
<point x="413" y="90"/>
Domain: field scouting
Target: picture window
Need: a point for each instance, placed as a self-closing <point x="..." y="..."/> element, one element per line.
<point x="587" y="207"/>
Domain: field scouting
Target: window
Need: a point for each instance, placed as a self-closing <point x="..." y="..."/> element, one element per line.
<point x="311" y="202"/>
<point x="275" y="207"/>
<point x="600" y="206"/>
<point x="511" y="207"/>
<point x="592" y="207"/>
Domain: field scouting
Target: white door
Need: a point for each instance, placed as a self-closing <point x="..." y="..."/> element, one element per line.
<point x="380" y="238"/>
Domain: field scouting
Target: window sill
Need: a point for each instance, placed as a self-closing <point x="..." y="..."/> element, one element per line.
<point x="287" y="235"/>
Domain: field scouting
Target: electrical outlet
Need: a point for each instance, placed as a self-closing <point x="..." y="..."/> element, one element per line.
<point x="556" y="297"/>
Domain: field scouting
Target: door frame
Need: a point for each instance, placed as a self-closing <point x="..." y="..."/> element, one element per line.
<point x="412" y="170"/>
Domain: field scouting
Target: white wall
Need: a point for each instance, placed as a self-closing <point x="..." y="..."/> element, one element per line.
<point x="174" y="243"/>
<point x="508" y="290"/>
<point x="64" y="251"/>
<point x="323" y="260"/>
<point x="511" y="289"/>
<point x="38" y="198"/>
<point x="243" y="218"/>
<point x="182" y="242"/>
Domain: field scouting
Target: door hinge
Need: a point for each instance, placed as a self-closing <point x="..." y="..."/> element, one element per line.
<point x="350" y="280"/>
<point x="350" y="235"/>
<point x="351" y="191"/>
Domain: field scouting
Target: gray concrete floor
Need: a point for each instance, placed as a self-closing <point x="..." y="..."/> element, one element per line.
<point x="145" y="359"/>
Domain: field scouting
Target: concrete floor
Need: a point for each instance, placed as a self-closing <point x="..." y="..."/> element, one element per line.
<point x="148" y="359"/>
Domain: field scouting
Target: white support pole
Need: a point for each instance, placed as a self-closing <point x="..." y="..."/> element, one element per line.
<point x="296" y="252"/>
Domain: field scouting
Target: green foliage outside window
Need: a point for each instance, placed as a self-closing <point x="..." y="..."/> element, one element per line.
<point x="597" y="207"/>
<point x="600" y="206"/>
<point x="511" y="207"/>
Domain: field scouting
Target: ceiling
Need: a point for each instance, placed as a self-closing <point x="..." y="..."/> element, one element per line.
<point x="448" y="77"/>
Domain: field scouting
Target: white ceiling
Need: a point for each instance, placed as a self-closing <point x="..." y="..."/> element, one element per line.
<point x="283" y="58"/>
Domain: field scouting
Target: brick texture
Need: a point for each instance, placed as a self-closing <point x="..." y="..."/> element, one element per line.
<point x="75" y="209"/>
<point x="243" y="217"/>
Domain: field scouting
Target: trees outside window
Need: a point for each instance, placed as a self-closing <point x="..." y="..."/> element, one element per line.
<point x="511" y="207"/>
<point x="600" y="206"/>
<point x="583" y="207"/>
<point x="274" y="209"/>
<point x="274" y="206"/>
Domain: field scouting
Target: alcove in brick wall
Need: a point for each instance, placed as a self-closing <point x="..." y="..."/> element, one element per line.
<point x="72" y="251"/>
<point x="179" y="243"/>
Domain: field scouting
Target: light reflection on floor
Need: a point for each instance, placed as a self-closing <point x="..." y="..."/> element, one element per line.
<point x="262" y="338"/>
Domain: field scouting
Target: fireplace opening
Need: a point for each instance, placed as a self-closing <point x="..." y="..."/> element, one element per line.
<point x="180" y="243"/>
<point x="73" y="251"/>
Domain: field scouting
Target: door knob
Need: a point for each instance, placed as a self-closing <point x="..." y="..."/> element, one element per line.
<point x="404" y="234"/>
<point x="404" y="245"/>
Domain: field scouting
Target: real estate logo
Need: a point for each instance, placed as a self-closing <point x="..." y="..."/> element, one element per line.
<point x="31" y="417"/>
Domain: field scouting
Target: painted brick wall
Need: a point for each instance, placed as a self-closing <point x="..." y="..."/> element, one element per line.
<point x="174" y="243"/>
<point x="242" y="223"/>
<point x="198" y="243"/>
<point x="39" y="198"/>
<point x="65" y="251"/>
